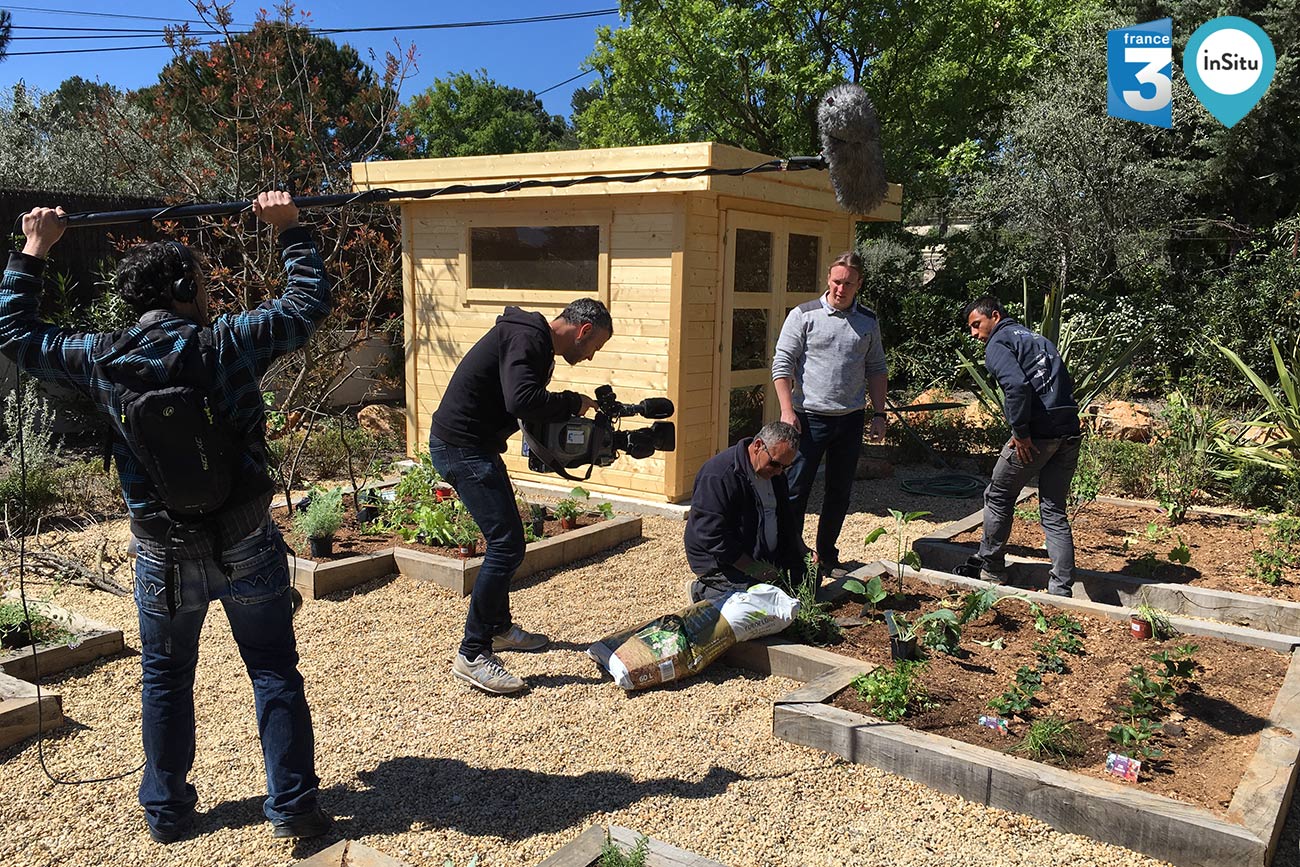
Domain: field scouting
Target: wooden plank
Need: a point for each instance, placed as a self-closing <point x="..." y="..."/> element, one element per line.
<point x="95" y="640"/>
<point x="659" y="853"/>
<point x="581" y="852"/>
<point x="1182" y="834"/>
<point x="349" y="853"/>
<point x="21" y="715"/>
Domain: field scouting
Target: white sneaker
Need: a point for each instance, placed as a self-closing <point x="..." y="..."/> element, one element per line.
<point x="486" y="673"/>
<point x="518" y="638"/>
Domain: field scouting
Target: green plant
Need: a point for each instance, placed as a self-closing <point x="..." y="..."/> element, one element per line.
<point x="612" y="855"/>
<point x="464" y="530"/>
<point x="14" y="626"/>
<point x="942" y="631"/>
<point x="873" y="591"/>
<point x="905" y="557"/>
<point x="323" y="515"/>
<point x="1161" y="628"/>
<point x="977" y="603"/>
<point x="1041" y="623"/>
<point x="1181" y="470"/>
<point x="813" y="623"/>
<point x="894" y="691"/>
<point x="1281" y="551"/>
<point x="567" y="508"/>
<point x="1281" y="412"/>
<point x="1085" y="485"/>
<point x="1181" y="554"/>
<point x="1050" y="738"/>
<point x="1178" y="664"/>
<point x="1025" y="513"/>
<point x="606" y="510"/>
<point x="32" y="425"/>
<point x="1134" y="735"/>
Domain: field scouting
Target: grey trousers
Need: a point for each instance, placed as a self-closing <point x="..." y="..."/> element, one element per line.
<point x="1054" y="464"/>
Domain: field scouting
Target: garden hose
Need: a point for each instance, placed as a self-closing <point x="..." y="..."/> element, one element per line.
<point x="956" y="486"/>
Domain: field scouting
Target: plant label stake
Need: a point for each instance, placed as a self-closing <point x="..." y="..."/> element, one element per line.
<point x="1123" y="767"/>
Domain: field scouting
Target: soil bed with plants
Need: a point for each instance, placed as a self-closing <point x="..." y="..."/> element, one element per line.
<point x="1218" y="552"/>
<point x="351" y="539"/>
<point x="1039" y="667"/>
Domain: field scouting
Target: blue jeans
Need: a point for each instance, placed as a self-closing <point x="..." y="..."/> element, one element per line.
<point x="838" y="438"/>
<point x="1054" y="464"/>
<point x="251" y="579"/>
<point x="480" y="479"/>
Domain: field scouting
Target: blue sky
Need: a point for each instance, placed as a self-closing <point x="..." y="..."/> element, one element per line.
<point x="529" y="56"/>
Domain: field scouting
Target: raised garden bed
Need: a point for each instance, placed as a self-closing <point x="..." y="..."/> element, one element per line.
<point x="1215" y="583"/>
<point x="445" y="568"/>
<point x="585" y="850"/>
<point x="1236" y="824"/>
<point x="87" y="641"/>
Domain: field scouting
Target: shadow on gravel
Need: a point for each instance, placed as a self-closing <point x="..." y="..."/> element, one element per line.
<point x="511" y="803"/>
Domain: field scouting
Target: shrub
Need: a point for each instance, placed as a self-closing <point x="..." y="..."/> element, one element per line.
<point x="1050" y="739"/>
<point x="323" y="515"/>
<point x="894" y="692"/>
<point x="1126" y="467"/>
<point x="14" y="631"/>
<point x="32" y="424"/>
<point x="1181" y="471"/>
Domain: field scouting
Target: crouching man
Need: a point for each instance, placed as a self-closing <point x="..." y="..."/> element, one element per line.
<point x="742" y="523"/>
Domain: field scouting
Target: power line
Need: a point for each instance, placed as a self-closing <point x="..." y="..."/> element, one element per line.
<point x="81" y="13"/>
<point x="566" y="81"/>
<point x="570" y="16"/>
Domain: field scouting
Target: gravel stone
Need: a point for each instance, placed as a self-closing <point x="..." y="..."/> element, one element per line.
<point x="421" y="767"/>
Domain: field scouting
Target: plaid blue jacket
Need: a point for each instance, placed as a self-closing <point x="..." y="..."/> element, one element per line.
<point x="245" y="343"/>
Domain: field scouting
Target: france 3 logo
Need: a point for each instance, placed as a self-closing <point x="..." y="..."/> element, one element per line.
<point x="1229" y="63"/>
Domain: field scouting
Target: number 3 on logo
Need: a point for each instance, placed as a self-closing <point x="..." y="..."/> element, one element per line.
<point x="1154" y="71"/>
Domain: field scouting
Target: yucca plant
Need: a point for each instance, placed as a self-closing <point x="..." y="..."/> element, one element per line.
<point x="1281" y="413"/>
<point x="1094" y="359"/>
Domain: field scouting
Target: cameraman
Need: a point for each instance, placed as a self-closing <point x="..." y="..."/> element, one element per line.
<point x="742" y="522"/>
<point x="500" y="381"/>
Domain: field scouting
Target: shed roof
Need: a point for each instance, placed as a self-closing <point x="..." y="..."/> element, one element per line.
<point x="803" y="189"/>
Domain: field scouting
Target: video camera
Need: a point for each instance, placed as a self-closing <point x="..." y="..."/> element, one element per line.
<point x="553" y="447"/>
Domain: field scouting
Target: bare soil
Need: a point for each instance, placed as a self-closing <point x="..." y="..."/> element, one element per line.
<point x="351" y="539"/>
<point x="1210" y="734"/>
<point x="1114" y="538"/>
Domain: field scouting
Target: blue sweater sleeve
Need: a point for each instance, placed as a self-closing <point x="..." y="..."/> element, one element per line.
<point x="42" y="350"/>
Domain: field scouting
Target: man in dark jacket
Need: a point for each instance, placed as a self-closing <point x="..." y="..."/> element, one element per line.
<point x="1044" y="419"/>
<point x="235" y="554"/>
<point x="742" y="526"/>
<point x="500" y="381"/>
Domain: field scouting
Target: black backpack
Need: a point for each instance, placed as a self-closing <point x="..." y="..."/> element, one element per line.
<point x="191" y="453"/>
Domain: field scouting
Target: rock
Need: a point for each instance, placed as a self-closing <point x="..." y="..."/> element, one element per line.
<point x="975" y="415"/>
<point x="874" y="468"/>
<point x="1122" y="420"/>
<point x="382" y="421"/>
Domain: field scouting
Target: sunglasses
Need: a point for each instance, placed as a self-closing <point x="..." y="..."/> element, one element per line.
<point x="773" y="462"/>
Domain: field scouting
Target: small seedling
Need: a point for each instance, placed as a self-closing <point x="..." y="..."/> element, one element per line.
<point x="942" y="631"/>
<point x="1041" y="623"/>
<point x="977" y="603"/>
<point x="1052" y="739"/>
<point x="1176" y="664"/>
<point x="1133" y="738"/>
<point x="873" y="592"/>
<point x="905" y="557"/>
<point x="612" y="855"/>
<point x="1027" y="514"/>
<point x="606" y="510"/>
<point x="894" y="692"/>
<point x="1182" y="554"/>
<point x="813" y="623"/>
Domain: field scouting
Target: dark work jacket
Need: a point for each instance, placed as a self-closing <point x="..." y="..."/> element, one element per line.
<point x="1038" y="391"/>
<point x="725" y="517"/>
<point x="501" y="380"/>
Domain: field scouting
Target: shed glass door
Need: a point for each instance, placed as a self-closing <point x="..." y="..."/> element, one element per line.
<point x="772" y="264"/>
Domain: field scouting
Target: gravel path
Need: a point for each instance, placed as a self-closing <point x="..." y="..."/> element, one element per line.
<point x="418" y="766"/>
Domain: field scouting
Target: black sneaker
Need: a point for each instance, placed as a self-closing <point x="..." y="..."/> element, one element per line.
<point x="311" y="824"/>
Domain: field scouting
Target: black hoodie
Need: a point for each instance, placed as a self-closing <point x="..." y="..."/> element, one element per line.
<point x="500" y="380"/>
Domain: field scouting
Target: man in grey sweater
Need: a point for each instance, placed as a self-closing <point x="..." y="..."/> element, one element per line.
<point x="828" y="359"/>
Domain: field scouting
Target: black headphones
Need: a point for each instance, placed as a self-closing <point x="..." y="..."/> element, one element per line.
<point x="184" y="287"/>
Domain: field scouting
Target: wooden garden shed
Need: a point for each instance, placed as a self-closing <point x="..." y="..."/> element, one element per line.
<point x="698" y="275"/>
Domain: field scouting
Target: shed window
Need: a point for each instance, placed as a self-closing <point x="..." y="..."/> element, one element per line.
<point x="535" y="257"/>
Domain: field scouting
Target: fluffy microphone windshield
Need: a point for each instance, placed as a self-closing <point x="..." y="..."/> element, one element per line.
<point x="851" y="145"/>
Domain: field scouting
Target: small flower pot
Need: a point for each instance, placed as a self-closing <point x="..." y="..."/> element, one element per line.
<point x="322" y="547"/>
<point x="367" y="513"/>
<point x="569" y="523"/>
<point x="901" y="650"/>
<point x="466" y="551"/>
<point x="17" y="638"/>
<point x="1139" y="628"/>
<point x="539" y="527"/>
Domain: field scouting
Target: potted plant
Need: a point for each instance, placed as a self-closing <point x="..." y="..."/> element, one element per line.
<point x="566" y="511"/>
<point x="902" y="637"/>
<point x="1147" y="622"/>
<point x="321" y="520"/>
<point x="367" y="503"/>
<point x="465" y="532"/>
<point x="537" y="516"/>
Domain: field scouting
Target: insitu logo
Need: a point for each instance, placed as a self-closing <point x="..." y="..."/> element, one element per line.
<point x="1228" y="62"/>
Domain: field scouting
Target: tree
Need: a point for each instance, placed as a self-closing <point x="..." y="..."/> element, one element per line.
<point x="940" y="72"/>
<point x="468" y="115"/>
<point x="6" y="31"/>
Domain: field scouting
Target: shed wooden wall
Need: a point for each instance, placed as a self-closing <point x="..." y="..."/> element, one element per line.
<point x="643" y="245"/>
